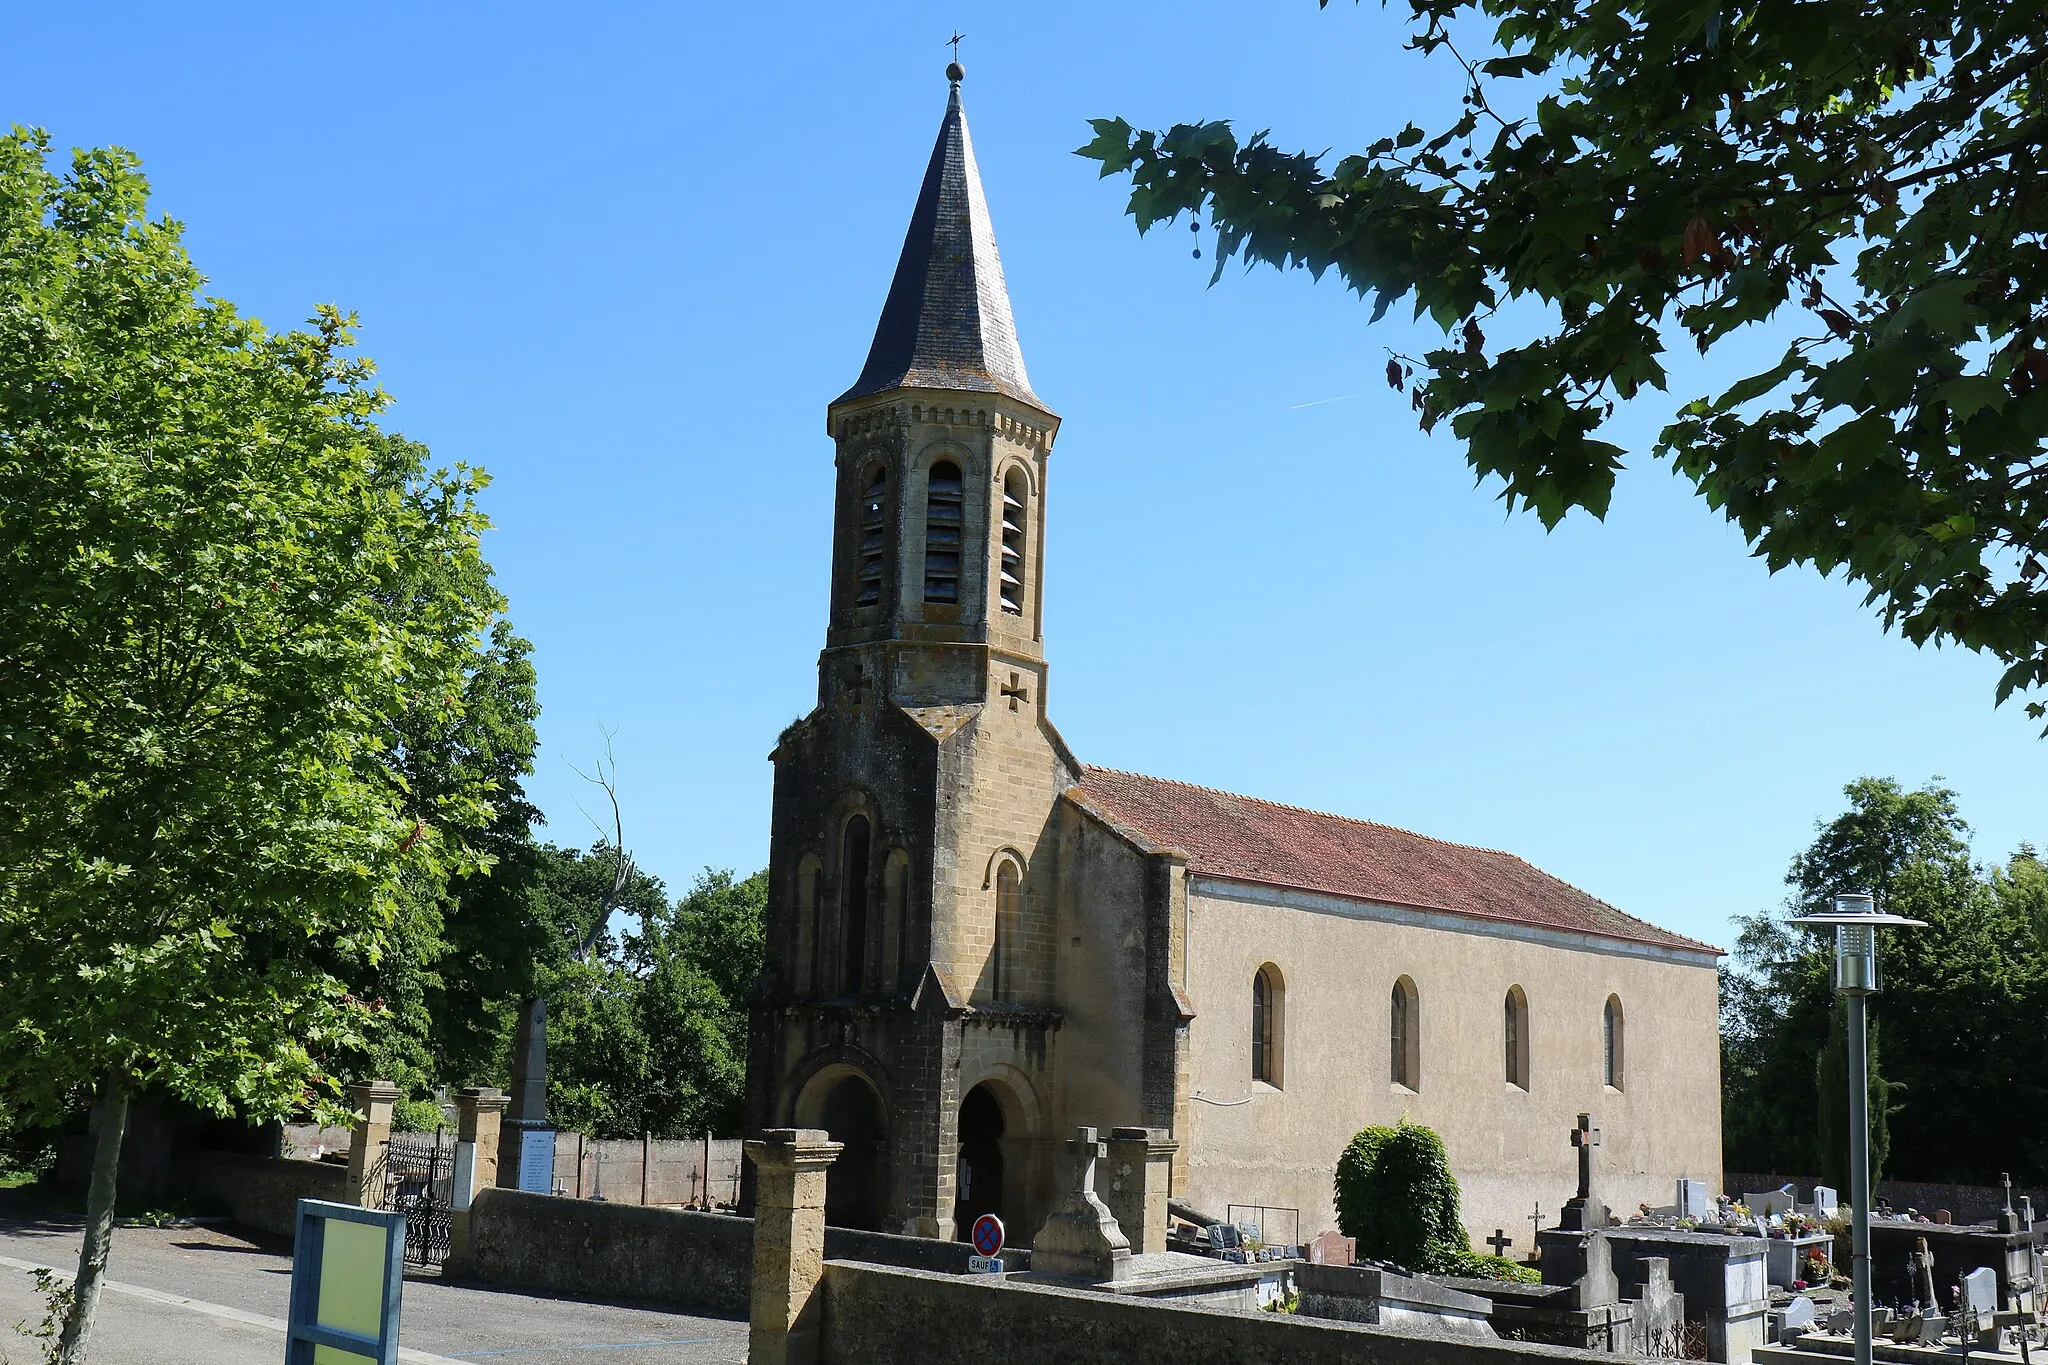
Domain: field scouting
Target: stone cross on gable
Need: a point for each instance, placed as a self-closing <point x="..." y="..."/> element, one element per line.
<point x="1085" y="1149"/>
<point x="1585" y="1137"/>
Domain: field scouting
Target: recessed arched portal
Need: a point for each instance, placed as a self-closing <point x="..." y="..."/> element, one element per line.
<point x="980" y="1187"/>
<point x="852" y="1115"/>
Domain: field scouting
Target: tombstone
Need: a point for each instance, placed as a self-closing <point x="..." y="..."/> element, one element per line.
<point x="1080" y="1239"/>
<point x="1584" y="1211"/>
<point x="1826" y="1203"/>
<point x="2008" y="1218"/>
<point x="1693" y="1199"/>
<point x="1799" y="1316"/>
<point x="526" y="1145"/>
<point x="1764" y="1203"/>
<point x="1980" y="1292"/>
<point x="2026" y="1213"/>
<point x="1332" y="1248"/>
<point x="1943" y="1216"/>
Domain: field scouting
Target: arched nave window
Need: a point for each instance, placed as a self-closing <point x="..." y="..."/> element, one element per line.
<point x="1404" y="1036"/>
<point x="1515" y="1034"/>
<point x="1611" y="1032"/>
<point x="1268" y="1015"/>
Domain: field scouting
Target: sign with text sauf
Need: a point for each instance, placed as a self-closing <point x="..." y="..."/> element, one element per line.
<point x="987" y="1236"/>
<point x="348" y="1267"/>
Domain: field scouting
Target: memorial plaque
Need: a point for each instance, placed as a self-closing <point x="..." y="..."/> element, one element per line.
<point x="537" y="1160"/>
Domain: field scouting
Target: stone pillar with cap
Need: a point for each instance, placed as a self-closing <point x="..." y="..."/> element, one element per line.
<point x="369" y="1139"/>
<point x="1080" y="1239"/>
<point x="477" y="1112"/>
<point x="789" y="1244"/>
<point x="1140" y="1171"/>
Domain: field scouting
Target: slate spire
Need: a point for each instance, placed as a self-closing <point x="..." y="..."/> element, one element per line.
<point x="947" y="324"/>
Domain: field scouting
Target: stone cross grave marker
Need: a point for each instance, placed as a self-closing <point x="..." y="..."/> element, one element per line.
<point x="1585" y="1137"/>
<point x="1583" y="1212"/>
<point x="1536" y="1218"/>
<point x="1500" y="1241"/>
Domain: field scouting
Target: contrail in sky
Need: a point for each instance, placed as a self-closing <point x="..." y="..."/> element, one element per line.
<point x="1296" y="407"/>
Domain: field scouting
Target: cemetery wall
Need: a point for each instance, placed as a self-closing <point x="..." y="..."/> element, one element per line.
<point x="261" y="1192"/>
<point x="696" y="1261"/>
<point x="867" y="1307"/>
<point x="646" y="1171"/>
<point x="701" y="1262"/>
<point x="1277" y="1145"/>
<point x="1968" y="1203"/>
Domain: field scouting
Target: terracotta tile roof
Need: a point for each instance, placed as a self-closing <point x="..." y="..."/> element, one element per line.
<point x="1243" y="839"/>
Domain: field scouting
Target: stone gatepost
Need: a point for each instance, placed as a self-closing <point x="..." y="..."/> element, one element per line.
<point x="477" y="1110"/>
<point x="1140" y="1170"/>
<point x="369" y="1138"/>
<point x="789" y="1244"/>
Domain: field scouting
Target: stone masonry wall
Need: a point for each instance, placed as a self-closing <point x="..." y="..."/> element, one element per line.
<point x="697" y="1262"/>
<point x="875" y="1315"/>
<point x="261" y="1192"/>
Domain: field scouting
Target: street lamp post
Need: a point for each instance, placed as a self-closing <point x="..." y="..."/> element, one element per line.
<point x="1856" y="920"/>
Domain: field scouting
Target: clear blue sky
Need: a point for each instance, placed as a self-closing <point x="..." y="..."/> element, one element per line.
<point x="622" y="256"/>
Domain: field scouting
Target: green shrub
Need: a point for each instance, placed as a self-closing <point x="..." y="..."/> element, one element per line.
<point x="1397" y="1198"/>
<point x="416" y="1116"/>
<point x="1474" y="1266"/>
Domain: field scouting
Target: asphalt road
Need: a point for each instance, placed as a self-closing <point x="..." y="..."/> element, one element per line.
<point x="217" y="1296"/>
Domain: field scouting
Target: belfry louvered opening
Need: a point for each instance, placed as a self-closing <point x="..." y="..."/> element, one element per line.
<point x="1016" y="495"/>
<point x="874" y="540"/>
<point x="943" y="500"/>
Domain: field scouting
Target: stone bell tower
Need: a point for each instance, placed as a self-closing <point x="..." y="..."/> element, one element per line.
<point x="911" y="1001"/>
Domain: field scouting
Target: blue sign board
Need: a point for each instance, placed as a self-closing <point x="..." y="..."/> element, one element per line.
<point x="348" y="1266"/>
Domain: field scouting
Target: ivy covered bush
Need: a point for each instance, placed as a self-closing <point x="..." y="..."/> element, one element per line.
<point x="1397" y="1198"/>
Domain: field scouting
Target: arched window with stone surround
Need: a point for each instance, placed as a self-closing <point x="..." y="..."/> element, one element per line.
<point x="1611" y="1026"/>
<point x="1009" y="913"/>
<point x="808" y="908"/>
<point x="1515" y="1036"/>
<point x="1016" y="528"/>
<point x="872" y="534"/>
<point x="1404" y="1036"/>
<point x="944" y="498"/>
<point x="895" y="917"/>
<point x="1269" y="1003"/>
<point x="853" y="905"/>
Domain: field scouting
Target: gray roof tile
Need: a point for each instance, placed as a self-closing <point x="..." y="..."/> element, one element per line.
<point x="947" y="324"/>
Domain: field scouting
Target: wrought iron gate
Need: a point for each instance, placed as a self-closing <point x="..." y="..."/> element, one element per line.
<point x="419" y="1174"/>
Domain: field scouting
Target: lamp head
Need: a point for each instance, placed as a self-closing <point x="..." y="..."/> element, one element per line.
<point x="1857" y="919"/>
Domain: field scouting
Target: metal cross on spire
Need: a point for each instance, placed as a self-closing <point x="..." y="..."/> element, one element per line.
<point x="954" y="43"/>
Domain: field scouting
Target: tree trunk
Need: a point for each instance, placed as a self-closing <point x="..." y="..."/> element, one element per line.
<point x="99" y="1220"/>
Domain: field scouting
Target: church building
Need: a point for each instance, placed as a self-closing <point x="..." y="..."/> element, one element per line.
<point x="977" y="941"/>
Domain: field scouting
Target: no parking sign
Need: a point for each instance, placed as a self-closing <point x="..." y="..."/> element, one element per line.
<point x="987" y="1236"/>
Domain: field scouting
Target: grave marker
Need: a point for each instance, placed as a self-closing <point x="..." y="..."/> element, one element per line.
<point x="1500" y="1241"/>
<point x="1583" y="1212"/>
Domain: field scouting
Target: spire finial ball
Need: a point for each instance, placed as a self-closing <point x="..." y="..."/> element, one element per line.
<point x="954" y="72"/>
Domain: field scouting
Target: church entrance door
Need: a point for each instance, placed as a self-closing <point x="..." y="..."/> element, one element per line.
<point x="852" y="1116"/>
<point x="980" y="1183"/>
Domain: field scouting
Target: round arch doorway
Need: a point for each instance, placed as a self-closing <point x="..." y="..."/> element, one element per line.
<point x="851" y="1114"/>
<point x="979" y="1180"/>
